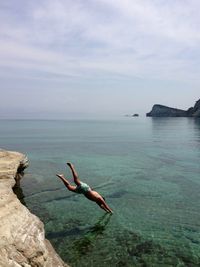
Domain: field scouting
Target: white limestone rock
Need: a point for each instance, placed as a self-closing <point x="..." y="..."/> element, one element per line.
<point x="22" y="237"/>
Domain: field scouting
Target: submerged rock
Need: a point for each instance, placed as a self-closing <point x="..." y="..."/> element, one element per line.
<point x="164" y="111"/>
<point x="22" y="237"/>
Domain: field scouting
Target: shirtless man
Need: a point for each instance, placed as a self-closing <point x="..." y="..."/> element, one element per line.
<point x="82" y="188"/>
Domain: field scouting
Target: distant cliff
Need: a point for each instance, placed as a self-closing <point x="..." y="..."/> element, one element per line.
<point x="196" y="109"/>
<point x="164" y="111"/>
<point x="22" y="237"/>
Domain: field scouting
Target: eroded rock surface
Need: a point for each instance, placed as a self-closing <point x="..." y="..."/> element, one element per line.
<point x="22" y="237"/>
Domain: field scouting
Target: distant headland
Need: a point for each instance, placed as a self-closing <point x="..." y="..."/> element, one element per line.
<point x="164" y="111"/>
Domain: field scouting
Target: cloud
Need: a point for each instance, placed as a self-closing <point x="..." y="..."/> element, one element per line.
<point x="76" y="42"/>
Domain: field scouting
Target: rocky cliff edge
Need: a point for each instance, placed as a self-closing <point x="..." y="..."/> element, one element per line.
<point x="164" y="111"/>
<point x="22" y="237"/>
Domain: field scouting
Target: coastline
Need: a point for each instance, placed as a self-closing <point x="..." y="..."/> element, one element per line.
<point x="22" y="236"/>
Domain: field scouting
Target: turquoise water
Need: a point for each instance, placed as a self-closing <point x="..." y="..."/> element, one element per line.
<point x="146" y="168"/>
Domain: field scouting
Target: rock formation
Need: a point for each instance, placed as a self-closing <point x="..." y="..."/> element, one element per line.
<point x="164" y="111"/>
<point x="195" y="111"/>
<point x="133" y="115"/>
<point x="22" y="237"/>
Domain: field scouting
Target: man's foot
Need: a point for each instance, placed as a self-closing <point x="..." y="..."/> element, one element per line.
<point x="70" y="164"/>
<point x="61" y="176"/>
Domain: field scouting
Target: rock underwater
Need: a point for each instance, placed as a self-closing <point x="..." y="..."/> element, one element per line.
<point x="164" y="111"/>
<point x="22" y="237"/>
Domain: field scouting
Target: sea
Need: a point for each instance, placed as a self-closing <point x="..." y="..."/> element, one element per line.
<point x="148" y="170"/>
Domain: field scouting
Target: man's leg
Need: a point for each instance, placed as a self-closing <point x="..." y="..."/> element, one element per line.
<point x="66" y="183"/>
<point x="74" y="173"/>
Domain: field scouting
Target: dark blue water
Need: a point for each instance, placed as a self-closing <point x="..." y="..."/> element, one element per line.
<point x="147" y="169"/>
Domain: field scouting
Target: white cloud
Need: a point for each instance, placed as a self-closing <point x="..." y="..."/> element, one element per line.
<point x="80" y="40"/>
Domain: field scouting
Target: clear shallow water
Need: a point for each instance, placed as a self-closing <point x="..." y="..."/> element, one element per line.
<point x="147" y="169"/>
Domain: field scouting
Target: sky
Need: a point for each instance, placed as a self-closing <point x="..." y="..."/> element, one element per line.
<point x="62" y="59"/>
